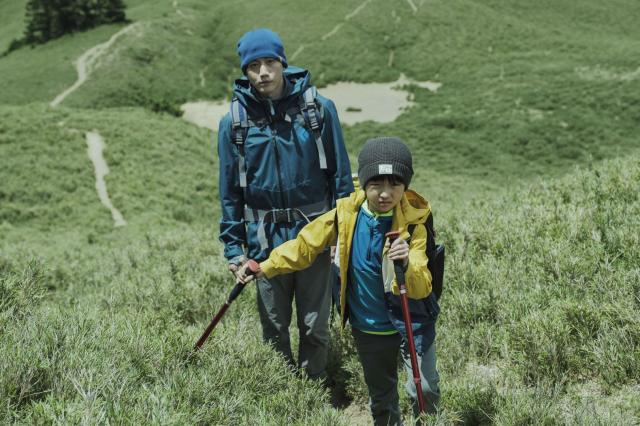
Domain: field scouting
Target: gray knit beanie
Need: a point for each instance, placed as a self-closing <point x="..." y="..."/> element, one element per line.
<point x="385" y="156"/>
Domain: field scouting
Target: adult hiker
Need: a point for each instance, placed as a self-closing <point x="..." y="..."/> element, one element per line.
<point x="282" y="163"/>
<point x="369" y="290"/>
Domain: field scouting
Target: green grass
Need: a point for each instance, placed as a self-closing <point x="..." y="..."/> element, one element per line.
<point x="539" y="322"/>
<point x="538" y="316"/>
<point x="47" y="149"/>
<point x="538" y="319"/>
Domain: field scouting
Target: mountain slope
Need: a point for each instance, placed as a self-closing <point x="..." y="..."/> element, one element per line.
<point x="538" y="319"/>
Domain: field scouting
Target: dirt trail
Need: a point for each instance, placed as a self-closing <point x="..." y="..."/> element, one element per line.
<point x="413" y="6"/>
<point x="95" y="145"/>
<point x="358" y="415"/>
<point x="86" y="63"/>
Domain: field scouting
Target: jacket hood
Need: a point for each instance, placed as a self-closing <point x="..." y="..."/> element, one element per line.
<point x="296" y="81"/>
<point x="412" y="208"/>
<point x="415" y="207"/>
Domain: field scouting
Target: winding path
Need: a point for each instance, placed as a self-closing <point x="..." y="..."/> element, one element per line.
<point x="86" y="63"/>
<point x="95" y="145"/>
<point x="335" y="29"/>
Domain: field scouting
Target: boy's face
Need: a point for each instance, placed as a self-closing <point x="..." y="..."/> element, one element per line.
<point x="383" y="193"/>
<point x="265" y="74"/>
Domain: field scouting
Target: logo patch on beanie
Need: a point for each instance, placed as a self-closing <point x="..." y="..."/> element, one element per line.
<point x="385" y="169"/>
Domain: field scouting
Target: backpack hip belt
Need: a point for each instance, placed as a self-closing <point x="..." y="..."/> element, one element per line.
<point x="287" y="215"/>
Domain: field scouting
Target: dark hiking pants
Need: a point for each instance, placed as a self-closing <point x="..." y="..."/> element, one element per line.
<point x="379" y="358"/>
<point x="311" y="291"/>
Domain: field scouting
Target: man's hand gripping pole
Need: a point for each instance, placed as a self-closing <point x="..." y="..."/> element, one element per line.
<point x="252" y="268"/>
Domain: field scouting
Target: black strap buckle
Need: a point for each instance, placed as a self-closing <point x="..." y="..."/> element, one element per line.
<point x="282" y="215"/>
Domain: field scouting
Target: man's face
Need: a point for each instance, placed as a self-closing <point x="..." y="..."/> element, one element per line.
<point x="265" y="74"/>
<point x="383" y="193"/>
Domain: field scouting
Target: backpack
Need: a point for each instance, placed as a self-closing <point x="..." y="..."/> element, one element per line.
<point x="435" y="256"/>
<point x="307" y="107"/>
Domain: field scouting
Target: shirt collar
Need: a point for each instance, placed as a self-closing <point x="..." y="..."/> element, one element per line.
<point x="365" y="207"/>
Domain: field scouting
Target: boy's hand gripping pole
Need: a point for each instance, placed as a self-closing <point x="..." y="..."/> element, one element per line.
<point x="252" y="268"/>
<point x="406" y="316"/>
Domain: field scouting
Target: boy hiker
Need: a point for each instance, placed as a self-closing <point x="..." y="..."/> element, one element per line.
<point x="368" y="289"/>
<point x="282" y="163"/>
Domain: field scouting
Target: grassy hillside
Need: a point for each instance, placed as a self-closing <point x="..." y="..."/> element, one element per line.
<point x="49" y="183"/>
<point x="527" y="91"/>
<point x="538" y="322"/>
<point x="528" y="153"/>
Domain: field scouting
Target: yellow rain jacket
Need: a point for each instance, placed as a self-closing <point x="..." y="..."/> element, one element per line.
<point x="337" y="226"/>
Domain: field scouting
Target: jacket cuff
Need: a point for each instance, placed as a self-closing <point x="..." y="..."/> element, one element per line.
<point x="268" y="269"/>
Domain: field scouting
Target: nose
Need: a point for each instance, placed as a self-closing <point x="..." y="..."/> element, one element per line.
<point x="385" y="191"/>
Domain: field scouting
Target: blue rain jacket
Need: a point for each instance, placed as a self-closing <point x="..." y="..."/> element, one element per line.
<point x="282" y="166"/>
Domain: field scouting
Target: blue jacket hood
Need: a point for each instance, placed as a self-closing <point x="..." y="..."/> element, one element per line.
<point x="296" y="82"/>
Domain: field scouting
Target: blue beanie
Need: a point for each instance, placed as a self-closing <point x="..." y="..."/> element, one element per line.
<point x="260" y="43"/>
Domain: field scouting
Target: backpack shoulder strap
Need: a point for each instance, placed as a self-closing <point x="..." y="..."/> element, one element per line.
<point x="313" y="119"/>
<point x="431" y="236"/>
<point x="239" y="129"/>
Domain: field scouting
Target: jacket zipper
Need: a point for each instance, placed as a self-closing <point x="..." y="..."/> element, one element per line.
<point x="277" y="154"/>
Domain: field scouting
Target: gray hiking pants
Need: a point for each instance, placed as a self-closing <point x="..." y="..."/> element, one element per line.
<point x="312" y="293"/>
<point x="379" y="358"/>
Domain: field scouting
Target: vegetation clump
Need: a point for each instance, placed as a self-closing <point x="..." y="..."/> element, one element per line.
<point x="50" y="19"/>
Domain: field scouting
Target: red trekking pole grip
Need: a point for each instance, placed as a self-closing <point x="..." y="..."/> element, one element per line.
<point x="406" y="316"/>
<point x="253" y="268"/>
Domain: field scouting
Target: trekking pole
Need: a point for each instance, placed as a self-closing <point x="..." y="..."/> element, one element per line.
<point x="253" y="268"/>
<point x="406" y="316"/>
